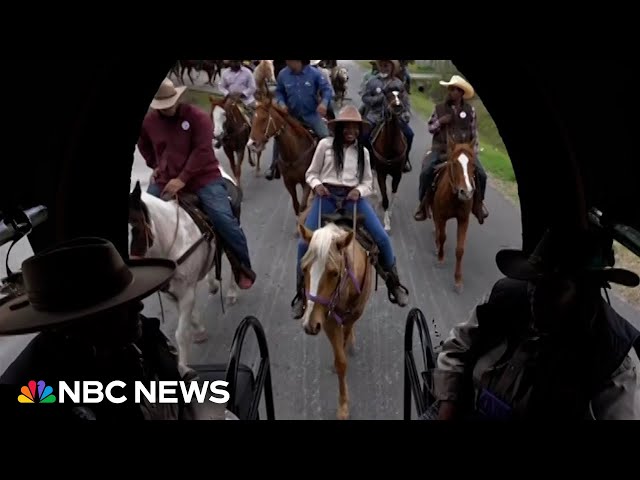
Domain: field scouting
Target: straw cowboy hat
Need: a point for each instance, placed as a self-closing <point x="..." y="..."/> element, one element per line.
<point x="348" y="113"/>
<point x="167" y="95"/>
<point x="396" y="65"/>
<point x="78" y="279"/>
<point x="579" y="254"/>
<point x="458" y="81"/>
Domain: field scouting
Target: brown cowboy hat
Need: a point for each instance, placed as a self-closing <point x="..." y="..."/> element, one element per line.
<point x="462" y="84"/>
<point x="348" y="113"/>
<point x="78" y="279"/>
<point x="167" y="95"/>
<point x="577" y="254"/>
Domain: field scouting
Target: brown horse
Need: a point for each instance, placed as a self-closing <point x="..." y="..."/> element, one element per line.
<point x="339" y="80"/>
<point x="296" y="143"/>
<point x="264" y="75"/>
<point x="453" y="198"/>
<point x="389" y="148"/>
<point x="337" y="278"/>
<point x="231" y="127"/>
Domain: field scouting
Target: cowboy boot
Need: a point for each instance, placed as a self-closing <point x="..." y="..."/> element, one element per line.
<point x="423" y="210"/>
<point x="397" y="292"/>
<point x="299" y="302"/>
<point x="406" y="168"/>
<point x="478" y="209"/>
<point x="273" y="172"/>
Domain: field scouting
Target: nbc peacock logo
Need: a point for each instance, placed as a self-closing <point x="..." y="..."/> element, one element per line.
<point x="38" y="392"/>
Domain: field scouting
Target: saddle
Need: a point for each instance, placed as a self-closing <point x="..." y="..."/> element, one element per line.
<point x="310" y="129"/>
<point x="376" y="131"/>
<point x="192" y="205"/>
<point x="364" y="238"/>
<point x="438" y="174"/>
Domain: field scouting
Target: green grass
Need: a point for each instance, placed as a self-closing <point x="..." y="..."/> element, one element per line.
<point x="198" y="98"/>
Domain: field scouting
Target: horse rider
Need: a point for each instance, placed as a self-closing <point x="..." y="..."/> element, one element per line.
<point x="175" y="141"/>
<point x="374" y="97"/>
<point x="325" y="71"/>
<point x="85" y="304"/>
<point x="237" y="82"/>
<point x="456" y="117"/>
<point x="303" y="92"/>
<point x="545" y="344"/>
<point x="341" y="171"/>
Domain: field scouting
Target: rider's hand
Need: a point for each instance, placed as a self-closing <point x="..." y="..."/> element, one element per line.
<point x="173" y="187"/>
<point x="354" y="195"/>
<point x="447" y="411"/>
<point x="322" y="109"/>
<point x="445" y="119"/>
<point x="322" y="191"/>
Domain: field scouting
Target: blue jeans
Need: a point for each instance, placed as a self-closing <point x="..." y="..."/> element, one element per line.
<point x="371" y="223"/>
<point x="215" y="203"/>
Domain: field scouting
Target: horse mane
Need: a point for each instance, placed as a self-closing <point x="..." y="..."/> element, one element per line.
<point x="289" y="119"/>
<point x="322" y="247"/>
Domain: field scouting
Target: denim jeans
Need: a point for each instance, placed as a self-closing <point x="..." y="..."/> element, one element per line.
<point x="215" y="203"/>
<point x="428" y="171"/>
<point x="371" y="223"/>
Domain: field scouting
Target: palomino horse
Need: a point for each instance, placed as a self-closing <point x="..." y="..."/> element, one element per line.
<point x="231" y="127"/>
<point x="264" y="75"/>
<point x="296" y="143"/>
<point x="339" y="80"/>
<point x="453" y="198"/>
<point x="389" y="148"/>
<point x="337" y="278"/>
<point x="164" y="229"/>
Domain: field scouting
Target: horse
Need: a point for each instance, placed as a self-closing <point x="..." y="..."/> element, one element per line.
<point x="296" y="143"/>
<point x="213" y="68"/>
<point x="264" y="75"/>
<point x="231" y="127"/>
<point x="165" y="229"/>
<point x="453" y="198"/>
<point x="389" y="149"/>
<point x="339" y="79"/>
<point x="337" y="277"/>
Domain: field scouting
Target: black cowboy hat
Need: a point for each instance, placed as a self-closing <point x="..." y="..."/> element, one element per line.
<point x="578" y="254"/>
<point x="78" y="279"/>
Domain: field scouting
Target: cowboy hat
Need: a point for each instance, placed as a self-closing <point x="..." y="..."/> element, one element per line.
<point x="167" y="95"/>
<point x="580" y="254"/>
<point x="395" y="63"/>
<point x="461" y="83"/>
<point x="78" y="279"/>
<point x="348" y="113"/>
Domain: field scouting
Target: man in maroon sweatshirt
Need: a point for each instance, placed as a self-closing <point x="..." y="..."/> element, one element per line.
<point x="176" y="142"/>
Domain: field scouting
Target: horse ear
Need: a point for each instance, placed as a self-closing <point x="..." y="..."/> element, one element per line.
<point x="305" y="233"/>
<point x="344" y="241"/>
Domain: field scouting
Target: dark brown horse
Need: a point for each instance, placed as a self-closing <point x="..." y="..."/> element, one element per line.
<point x="389" y="149"/>
<point x="297" y="146"/>
<point x="231" y="128"/>
<point x="453" y="198"/>
<point x="213" y="68"/>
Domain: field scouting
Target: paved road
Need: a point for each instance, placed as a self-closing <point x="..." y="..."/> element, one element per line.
<point x="304" y="385"/>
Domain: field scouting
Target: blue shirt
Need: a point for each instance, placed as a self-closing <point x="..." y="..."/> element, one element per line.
<point x="300" y="91"/>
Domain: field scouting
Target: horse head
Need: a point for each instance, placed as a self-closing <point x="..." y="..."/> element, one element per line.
<point x="461" y="166"/>
<point x="394" y="103"/>
<point x="324" y="269"/>
<point x="226" y="116"/>
<point x="142" y="237"/>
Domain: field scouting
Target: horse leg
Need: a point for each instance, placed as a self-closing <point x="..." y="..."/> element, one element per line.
<point x="258" y="155"/>
<point x="186" y="302"/>
<point x="228" y="151"/>
<point x="239" y="160"/>
<point x="291" y="188"/>
<point x="463" y="225"/>
<point x="306" y="191"/>
<point x="382" y="183"/>
<point x="441" y="237"/>
<point x="395" y="181"/>
<point x="336" y="337"/>
<point x="349" y="339"/>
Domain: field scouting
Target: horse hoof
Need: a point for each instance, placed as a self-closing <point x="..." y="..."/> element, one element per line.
<point x="458" y="288"/>
<point x="200" y="336"/>
<point x="343" y="413"/>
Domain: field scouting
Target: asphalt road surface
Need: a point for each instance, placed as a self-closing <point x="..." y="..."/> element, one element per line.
<point x="304" y="384"/>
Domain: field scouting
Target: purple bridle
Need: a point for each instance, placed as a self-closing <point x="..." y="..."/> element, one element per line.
<point x="332" y="302"/>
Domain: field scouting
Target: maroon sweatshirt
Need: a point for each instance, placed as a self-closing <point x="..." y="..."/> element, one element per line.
<point x="180" y="146"/>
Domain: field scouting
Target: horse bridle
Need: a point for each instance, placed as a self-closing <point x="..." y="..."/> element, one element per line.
<point x="279" y="131"/>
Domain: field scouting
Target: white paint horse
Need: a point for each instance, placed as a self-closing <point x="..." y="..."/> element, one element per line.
<point x="163" y="229"/>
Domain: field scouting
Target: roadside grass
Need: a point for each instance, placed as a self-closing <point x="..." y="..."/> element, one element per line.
<point x="496" y="161"/>
<point x="200" y="98"/>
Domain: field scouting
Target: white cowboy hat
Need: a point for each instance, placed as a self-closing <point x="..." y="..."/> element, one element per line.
<point x="167" y="95"/>
<point x="458" y="81"/>
<point x="314" y="62"/>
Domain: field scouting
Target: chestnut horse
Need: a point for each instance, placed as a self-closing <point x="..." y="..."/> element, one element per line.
<point x="389" y="149"/>
<point x="453" y="198"/>
<point x="337" y="278"/>
<point x="297" y="146"/>
<point x="231" y="128"/>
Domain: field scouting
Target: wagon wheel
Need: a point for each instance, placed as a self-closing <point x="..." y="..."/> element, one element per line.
<point x="418" y="386"/>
